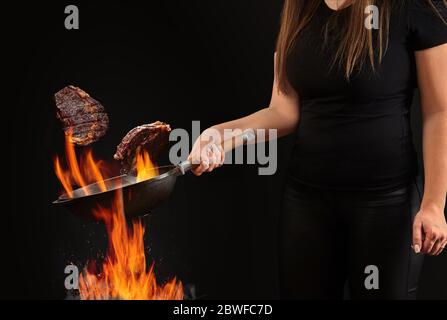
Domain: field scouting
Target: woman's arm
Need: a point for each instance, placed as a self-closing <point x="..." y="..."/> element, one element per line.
<point x="430" y="228"/>
<point x="282" y="115"/>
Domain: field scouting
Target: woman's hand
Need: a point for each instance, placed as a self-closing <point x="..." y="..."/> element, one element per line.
<point x="207" y="152"/>
<point x="429" y="232"/>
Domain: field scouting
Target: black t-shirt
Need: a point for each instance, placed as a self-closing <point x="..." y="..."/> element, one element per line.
<point x="356" y="135"/>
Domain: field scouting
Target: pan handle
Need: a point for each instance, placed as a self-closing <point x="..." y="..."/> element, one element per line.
<point x="227" y="145"/>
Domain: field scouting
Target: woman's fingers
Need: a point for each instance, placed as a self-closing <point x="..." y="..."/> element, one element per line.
<point x="429" y="234"/>
<point x="439" y="245"/>
<point x="201" y="163"/>
<point x="222" y="156"/>
<point x="436" y="247"/>
<point x="208" y="158"/>
<point x="429" y="242"/>
<point x="435" y="241"/>
<point x="442" y="248"/>
<point x="214" y="158"/>
<point x="417" y="235"/>
<point x="206" y="153"/>
<point x="203" y="167"/>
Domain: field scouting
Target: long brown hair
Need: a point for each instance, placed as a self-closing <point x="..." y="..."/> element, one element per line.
<point x="356" y="45"/>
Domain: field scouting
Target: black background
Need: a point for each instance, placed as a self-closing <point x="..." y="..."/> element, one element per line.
<point x="174" y="61"/>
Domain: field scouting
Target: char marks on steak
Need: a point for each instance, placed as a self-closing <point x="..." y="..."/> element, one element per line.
<point x="82" y="116"/>
<point x="151" y="137"/>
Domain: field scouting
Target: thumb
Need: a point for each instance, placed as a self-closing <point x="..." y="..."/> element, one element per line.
<point x="417" y="235"/>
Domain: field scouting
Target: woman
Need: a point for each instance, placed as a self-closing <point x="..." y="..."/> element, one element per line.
<point x="345" y="88"/>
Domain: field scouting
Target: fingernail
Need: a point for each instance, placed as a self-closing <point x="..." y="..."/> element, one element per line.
<point x="417" y="248"/>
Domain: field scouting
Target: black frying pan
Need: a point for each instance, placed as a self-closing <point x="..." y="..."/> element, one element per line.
<point x="139" y="198"/>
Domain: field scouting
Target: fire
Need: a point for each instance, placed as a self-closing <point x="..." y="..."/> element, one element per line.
<point x="63" y="178"/>
<point x="145" y="168"/>
<point x="124" y="273"/>
<point x="88" y="170"/>
<point x="79" y="173"/>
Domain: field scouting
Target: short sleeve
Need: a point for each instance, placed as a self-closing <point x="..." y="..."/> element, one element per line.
<point x="427" y="24"/>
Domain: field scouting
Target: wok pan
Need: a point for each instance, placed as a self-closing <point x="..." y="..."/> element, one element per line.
<point x="139" y="198"/>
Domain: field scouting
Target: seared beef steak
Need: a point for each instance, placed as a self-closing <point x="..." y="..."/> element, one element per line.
<point x="82" y="116"/>
<point x="151" y="137"/>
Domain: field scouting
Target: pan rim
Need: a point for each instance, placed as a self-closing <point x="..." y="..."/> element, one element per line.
<point x="64" y="199"/>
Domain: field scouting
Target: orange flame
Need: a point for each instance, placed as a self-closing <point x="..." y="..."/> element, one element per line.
<point x="63" y="178"/>
<point x="79" y="173"/>
<point x="145" y="168"/>
<point x="73" y="161"/>
<point x="124" y="273"/>
<point x="88" y="170"/>
<point x="94" y="170"/>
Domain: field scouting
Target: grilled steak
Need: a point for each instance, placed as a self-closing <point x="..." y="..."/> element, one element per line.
<point x="151" y="137"/>
<point x="82" y="116"/>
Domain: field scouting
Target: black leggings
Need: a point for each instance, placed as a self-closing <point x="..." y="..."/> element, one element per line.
<point x="329" y="238"/>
